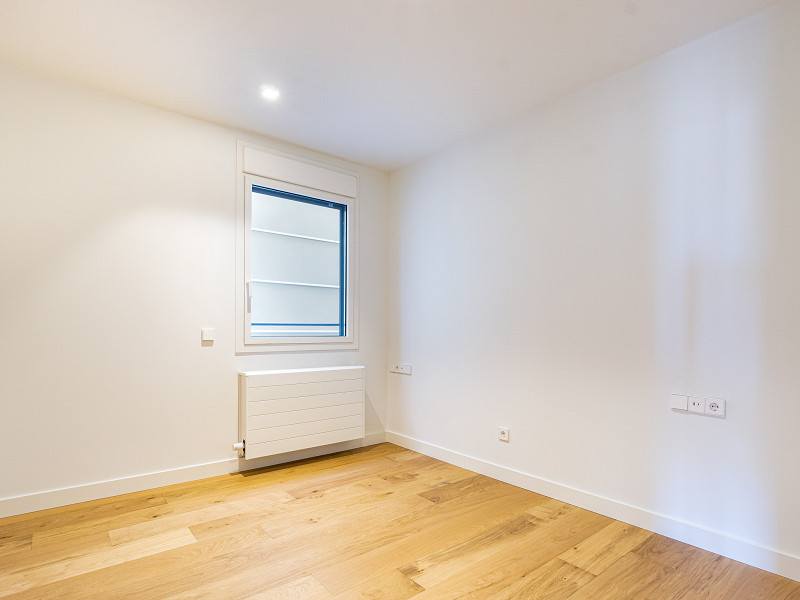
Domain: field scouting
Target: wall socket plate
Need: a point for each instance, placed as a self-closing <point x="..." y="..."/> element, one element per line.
<point x="502" y="434"/>
<point x="400" y="368"/>
<point x="715" y="407"/>
<point x="700" y="405"/>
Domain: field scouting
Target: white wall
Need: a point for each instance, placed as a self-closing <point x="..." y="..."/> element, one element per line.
<point x="563" y="275"/>
<point x="116" y="246"/>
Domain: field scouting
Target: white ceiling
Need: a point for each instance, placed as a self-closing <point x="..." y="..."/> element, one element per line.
<point x="379" y="82"/>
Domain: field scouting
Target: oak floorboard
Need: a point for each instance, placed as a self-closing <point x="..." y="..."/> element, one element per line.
<point x="167" y="512"/>
<point x="439" y="526"/>
<point x="138" y="579"/>
<point x="14" y="546"/>
<point x="696" y="579"/>
<point x="754" y="584"/>
<point x="269" y="563"/>
<point x="237" y="584"/>
<point x="314" y="513"/>
<point x="352" y="521"/>
<point x="325" y="508"/>
<point x="64" y="534"/>
<point x="482" y="575"/>
<point x="331" y="480"/>
<point x="301" y="471"/>
<point x="87" y="563"/>
<point x="80" y="511"/>
<point x="430" y="568"/>
<point x="629" y="578"/>
<point x="406" y="455"/>
<point x="605" y="547"/>
<point x="470" y="485"/>
<point x="666" y="551"/>
<point x="379" y="523"/>
<point x="180" y="520"/>
<point x="388" y="585"/>
<point x="75" y="515"/>
<point x="274" y="561"/>
<point x="265" y="478"/>
<point x="305" y="588"/>
<point x="49" y="553"/>
<point x="554" y="580"/>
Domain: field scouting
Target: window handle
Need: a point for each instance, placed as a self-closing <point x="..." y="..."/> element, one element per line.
<point x="249" y="292"/>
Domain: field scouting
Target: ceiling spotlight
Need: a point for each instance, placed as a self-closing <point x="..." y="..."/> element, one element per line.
<point x="270" y="92"/>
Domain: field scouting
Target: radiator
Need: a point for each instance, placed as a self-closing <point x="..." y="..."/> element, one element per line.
<point x="282" y="411"/>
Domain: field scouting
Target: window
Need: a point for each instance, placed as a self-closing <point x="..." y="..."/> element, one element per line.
<point x="298" y="265"/>
<point x="295" y="255"/>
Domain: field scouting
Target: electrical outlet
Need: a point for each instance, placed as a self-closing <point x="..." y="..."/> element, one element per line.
<point x="715" y="407"/>
<point x="400" y="369"/>
<point x="697" y="404"/>
<point x="502" y="434"/>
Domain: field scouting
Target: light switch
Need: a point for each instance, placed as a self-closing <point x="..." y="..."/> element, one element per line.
<point x="207" y="335"/>
<point x="679" y="402"/>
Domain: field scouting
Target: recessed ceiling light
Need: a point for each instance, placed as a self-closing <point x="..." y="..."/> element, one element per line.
<point x="270" y="92"/>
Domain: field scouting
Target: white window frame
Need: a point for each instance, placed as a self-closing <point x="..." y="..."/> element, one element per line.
<point x="264" y="167"/>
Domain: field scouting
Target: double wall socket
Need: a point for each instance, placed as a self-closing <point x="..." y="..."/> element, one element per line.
<point x="712" y="407"/>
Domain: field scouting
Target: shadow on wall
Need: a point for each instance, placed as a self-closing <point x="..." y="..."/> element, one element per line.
<point x="712" y="174"/>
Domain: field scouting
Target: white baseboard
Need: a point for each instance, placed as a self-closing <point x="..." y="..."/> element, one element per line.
<point x="751" y="553"/>
<point x="26" y="503"/>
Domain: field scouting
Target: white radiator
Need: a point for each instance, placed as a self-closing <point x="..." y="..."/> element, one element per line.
<point x="282" y="411"/>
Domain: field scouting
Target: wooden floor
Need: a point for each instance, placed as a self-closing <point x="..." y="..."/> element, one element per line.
<point x="381" y="523"/>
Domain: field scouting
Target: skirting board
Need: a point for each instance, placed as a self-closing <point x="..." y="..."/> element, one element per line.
<point x="769" y="559"/>
<point x="103" y="489"/>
